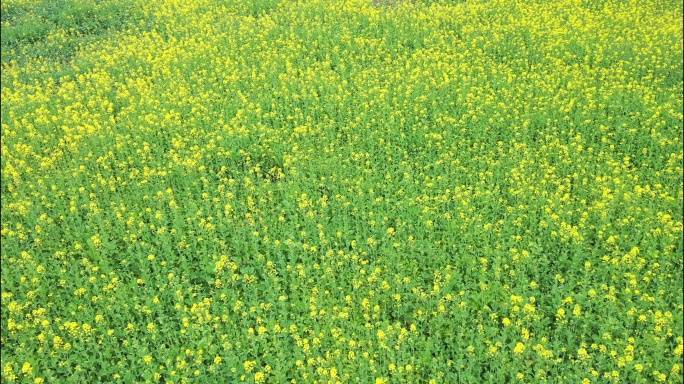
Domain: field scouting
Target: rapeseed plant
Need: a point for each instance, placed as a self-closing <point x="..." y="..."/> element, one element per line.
<point x="352" y="191"/>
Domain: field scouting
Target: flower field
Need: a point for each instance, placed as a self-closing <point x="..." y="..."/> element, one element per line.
<point x="352" y="191"/>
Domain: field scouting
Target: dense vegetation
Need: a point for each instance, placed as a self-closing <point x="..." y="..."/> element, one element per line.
<point x="341" y="191"/>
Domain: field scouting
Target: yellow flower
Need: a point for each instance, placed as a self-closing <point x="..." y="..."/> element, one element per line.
<point x="249" y="365"/>
<point x="577" y="310"/>
<point x="519" y="348"/>
<point x="7" y="369"/>
<point x="27" y="369"/>
<point x="582" y="353"/>
<point x="560" y="314"/>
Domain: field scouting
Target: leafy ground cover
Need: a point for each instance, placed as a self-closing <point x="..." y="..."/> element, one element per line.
<point x="341" y="191"/>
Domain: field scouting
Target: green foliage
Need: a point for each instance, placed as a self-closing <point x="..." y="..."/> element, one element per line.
<point x="57" y="29"/>
<point x="359" y="191"/>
